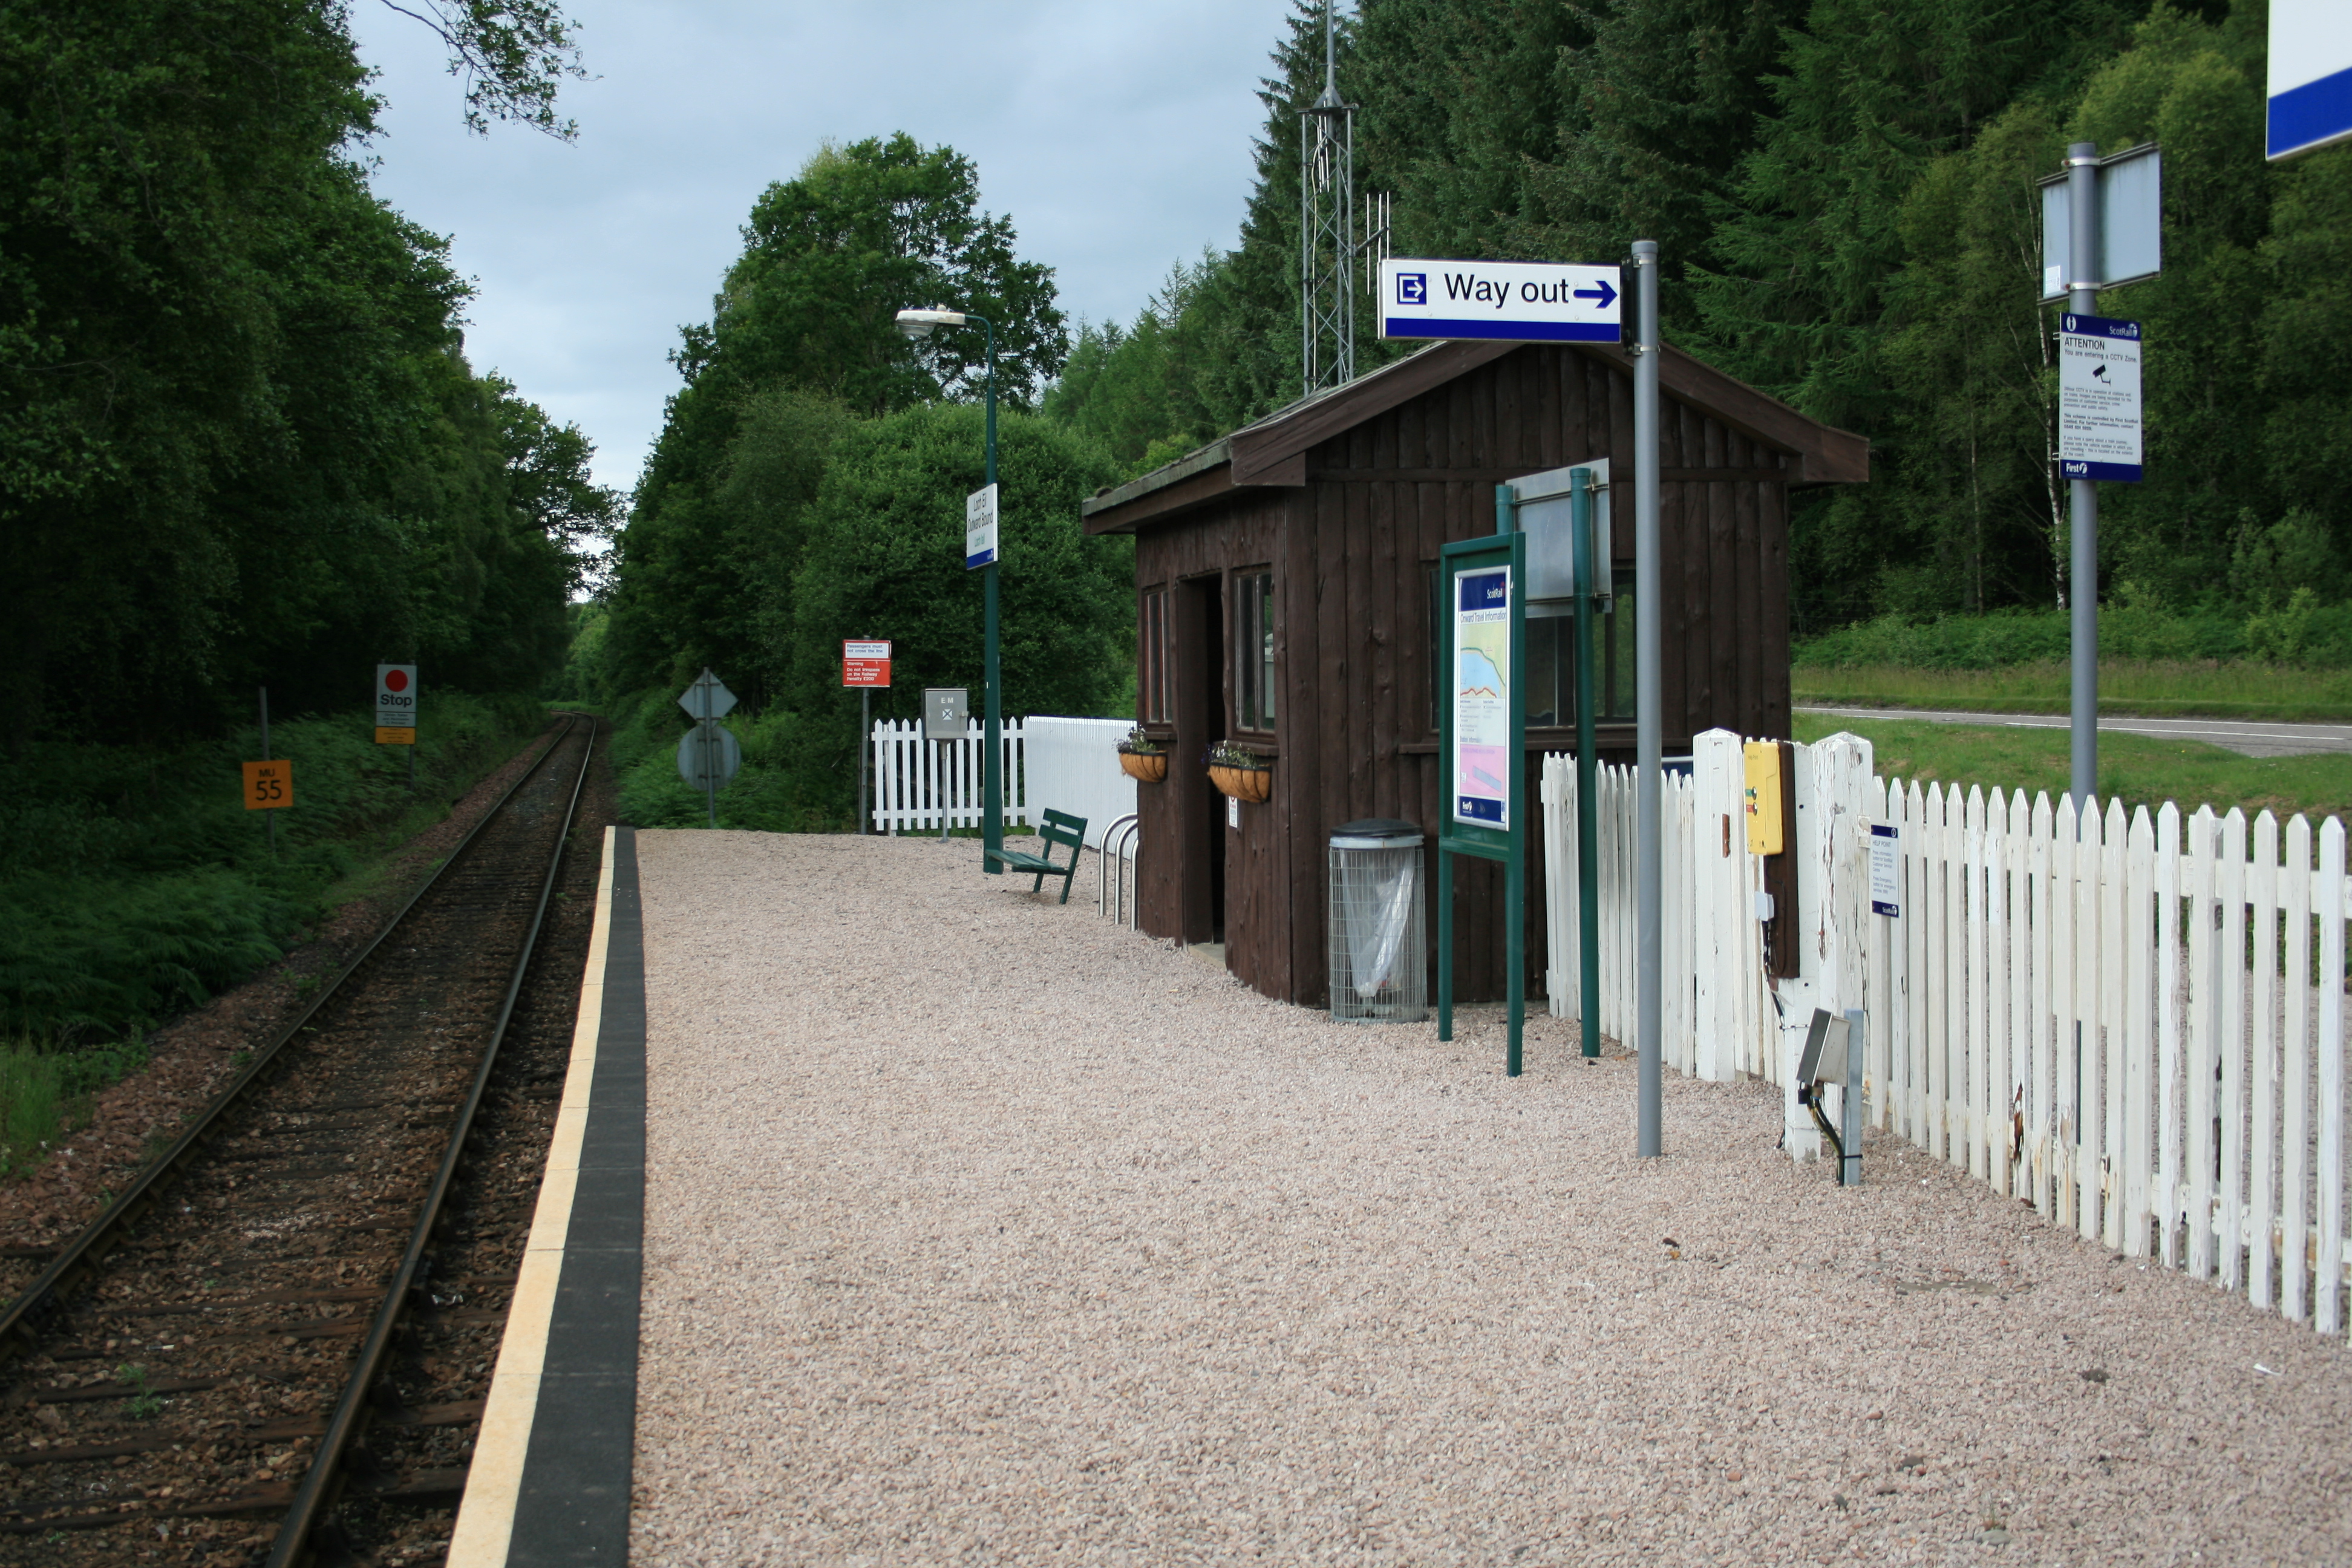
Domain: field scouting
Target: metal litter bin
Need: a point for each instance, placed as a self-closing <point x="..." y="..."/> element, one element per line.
<point x="1379" y="963"/>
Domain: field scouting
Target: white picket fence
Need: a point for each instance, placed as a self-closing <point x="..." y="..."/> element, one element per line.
<point x="1069" y="765"/>
<point x="2138" y="1028"/>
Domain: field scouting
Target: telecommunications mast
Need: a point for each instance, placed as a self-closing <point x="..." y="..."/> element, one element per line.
<point x="1327" y="241"/>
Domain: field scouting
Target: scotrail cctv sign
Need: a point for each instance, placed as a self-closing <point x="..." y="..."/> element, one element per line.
<point x="1515" y="301"/>
<point x="2098" y="398"/>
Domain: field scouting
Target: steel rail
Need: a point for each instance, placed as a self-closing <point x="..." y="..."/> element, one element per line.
<point x="322" y="1483"/>
<point x="18" y="1325"/>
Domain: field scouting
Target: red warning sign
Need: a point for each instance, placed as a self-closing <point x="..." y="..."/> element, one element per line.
<point x="865" y="663"/>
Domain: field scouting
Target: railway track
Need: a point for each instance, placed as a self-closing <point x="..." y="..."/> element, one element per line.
<point x="273" y="1348"/>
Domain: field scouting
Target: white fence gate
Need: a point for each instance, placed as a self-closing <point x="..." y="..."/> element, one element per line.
<point x="1070" y="765"/>
<point x="2139" y="1028"/>
<point x="916" y="781"/>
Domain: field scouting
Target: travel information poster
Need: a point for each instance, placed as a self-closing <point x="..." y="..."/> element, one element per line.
<point x="1481" y="698"/>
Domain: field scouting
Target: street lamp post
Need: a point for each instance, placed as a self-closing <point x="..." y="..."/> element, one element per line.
<point x="918" y="324"/>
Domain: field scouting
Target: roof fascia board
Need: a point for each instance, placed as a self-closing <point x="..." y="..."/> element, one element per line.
<point x="1264" y="446"/>
<point x="1129" y="507"/>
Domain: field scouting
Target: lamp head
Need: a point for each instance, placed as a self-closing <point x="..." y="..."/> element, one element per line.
<point x="919" y="324"/>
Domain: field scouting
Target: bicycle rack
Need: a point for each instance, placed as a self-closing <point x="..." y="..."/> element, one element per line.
<point x="1118" y="843"/>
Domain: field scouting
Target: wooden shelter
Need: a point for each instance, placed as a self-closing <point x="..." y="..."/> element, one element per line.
<point x="1286" y="578"/>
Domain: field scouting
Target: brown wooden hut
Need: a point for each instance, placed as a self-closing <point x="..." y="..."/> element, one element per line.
<point x="1286" y="576"/>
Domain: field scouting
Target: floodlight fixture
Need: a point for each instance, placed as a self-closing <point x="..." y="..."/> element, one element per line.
<point x="919" y="324"/>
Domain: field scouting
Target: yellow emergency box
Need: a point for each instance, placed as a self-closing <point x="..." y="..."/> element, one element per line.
<point x="1762" y="796"/>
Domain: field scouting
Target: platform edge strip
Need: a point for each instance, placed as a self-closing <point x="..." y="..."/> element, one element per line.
<point x="485" y="1527"/>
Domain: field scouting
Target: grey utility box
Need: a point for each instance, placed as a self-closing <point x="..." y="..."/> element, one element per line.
<point x="1380" y="949"/>
<point x="947" y="712"/>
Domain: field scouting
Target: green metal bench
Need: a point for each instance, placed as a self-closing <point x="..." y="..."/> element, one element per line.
<point x="1059" y="828"/>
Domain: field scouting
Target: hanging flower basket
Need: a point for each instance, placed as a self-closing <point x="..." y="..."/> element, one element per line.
<point x="1245" y="776"/>
<point x="1141" y="758"/>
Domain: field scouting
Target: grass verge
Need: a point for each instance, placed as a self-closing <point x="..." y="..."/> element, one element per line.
<point x="2138" y="769"/>
<point x="44" y="1092"/>
<point x="2149" y="688"/>
<point x="134" y="886"/>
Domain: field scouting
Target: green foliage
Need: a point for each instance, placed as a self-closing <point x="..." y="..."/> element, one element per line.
<point x="2018" y="637"/>
<point x="46" y="1092"/>
<point x="831" y="257"/>
<point x="884" y="560"/>
<point x="238" y="440"/>
<point x="1145" y="393"/>
<point x="775" y="792"/>
<point x="1845" y="191"/>
<point x="801" y="343"/>
<point x="513" y="56"/>
<point x="809" y="486"/>
<point x="134" y="884"/>
<point x="880" y="553"/>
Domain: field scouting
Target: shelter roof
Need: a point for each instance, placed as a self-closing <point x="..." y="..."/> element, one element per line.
<point x="1272" y="451"/>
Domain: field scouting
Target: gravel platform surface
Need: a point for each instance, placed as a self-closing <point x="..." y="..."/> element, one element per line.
<point x="978" y="1231"/>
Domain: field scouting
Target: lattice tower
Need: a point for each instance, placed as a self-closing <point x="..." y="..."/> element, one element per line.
<point x="1327" y="241"/>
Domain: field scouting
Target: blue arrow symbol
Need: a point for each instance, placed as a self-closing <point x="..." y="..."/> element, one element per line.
<point x="1605" y="294"/>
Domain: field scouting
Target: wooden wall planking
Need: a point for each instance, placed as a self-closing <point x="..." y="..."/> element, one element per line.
<point x="1350" y="550"/>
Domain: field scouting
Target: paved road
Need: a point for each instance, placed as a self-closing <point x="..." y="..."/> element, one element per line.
<point x="2248" y="737"/>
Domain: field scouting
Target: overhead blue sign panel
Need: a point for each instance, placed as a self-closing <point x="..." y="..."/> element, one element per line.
<point x="2310" y="75"/>
<point x="1512" y="301"/>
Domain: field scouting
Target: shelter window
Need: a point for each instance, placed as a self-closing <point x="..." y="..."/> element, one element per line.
<point x="1154" y="700"/>
<point x="1254" y="649"/>
<point x="1550" y="680"/>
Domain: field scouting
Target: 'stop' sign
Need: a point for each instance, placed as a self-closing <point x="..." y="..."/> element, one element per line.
<point x="864" y="662"/>
<point x="1513" y="301"/>
<point x="395" y="697"/>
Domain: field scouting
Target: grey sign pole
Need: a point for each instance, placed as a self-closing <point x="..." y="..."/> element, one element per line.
<point x="1649" y="993"/>
<point x="865" y="745"/>
<point x="2083" y="579"/>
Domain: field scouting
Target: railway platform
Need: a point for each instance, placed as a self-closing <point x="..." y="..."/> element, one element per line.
<point x="977" y="1229"/>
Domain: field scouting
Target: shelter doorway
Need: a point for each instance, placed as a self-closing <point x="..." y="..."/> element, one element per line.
<point x="1201" y="723"/>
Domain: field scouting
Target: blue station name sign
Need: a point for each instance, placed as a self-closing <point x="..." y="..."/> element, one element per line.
<point x="1513" y="302"/>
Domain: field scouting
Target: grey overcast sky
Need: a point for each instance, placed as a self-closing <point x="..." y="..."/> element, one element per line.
<point x="1116" y="134"/>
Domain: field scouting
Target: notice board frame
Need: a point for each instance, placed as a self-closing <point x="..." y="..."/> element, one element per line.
<point x="1507" y="549"/>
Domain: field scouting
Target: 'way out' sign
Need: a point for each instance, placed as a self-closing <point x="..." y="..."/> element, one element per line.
<point x="1513" y="302"/>
<point x="2098" y="398"/>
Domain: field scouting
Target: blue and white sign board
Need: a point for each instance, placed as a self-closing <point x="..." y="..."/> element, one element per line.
<point x="1886" y="869"/>
<point x="2310" y="75"/>
<point x="2098" y="398"/>
<point x="980" y="527"/>
<point x="1482" y="771"/>
<point x="1512" y="301"/>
